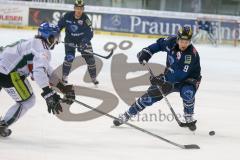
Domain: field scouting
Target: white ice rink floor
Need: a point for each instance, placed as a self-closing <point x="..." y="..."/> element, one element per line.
<point x="41" y="136"/>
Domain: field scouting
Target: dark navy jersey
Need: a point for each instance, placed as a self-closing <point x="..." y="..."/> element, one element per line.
<point x="181" y="64"/>
<point x="205" y="25"/>
<point x="77" y="30"/>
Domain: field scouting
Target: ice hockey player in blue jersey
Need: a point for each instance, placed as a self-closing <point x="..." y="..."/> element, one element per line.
<point x="204" y="28"/>
<point x="182" y="74"/>
<point x="79" y="33"/>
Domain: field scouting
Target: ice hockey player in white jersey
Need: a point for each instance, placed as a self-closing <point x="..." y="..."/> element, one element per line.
<point x="30" y="58"/>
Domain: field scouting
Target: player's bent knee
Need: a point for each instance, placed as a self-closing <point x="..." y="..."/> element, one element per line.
<point x="90" y="60"/>
<point x="69" y="58"/>
<point x="153" y="91"/>
<point x="188" y="93"/>
<point x="20" y="89"/>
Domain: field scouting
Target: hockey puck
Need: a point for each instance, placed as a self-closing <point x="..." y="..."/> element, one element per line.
<point x="212" y="133"/>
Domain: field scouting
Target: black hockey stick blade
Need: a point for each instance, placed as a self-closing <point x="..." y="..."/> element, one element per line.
<point x="110" y="54"/>
<point x="182" y="124"/>
<point x="96" y="54"/>
<point x="106" y="57"/>
<point x="191" y="146"/>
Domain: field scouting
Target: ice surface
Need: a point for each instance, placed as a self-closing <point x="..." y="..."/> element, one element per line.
<point x="41" y="136"/>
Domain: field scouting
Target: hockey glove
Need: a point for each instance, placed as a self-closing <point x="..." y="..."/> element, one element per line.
<point x="194" y="82"/>
<point x="157" y="80"/>
<point x="83" y="45"/>
<point x="68" y="91"/>
<point x="144" y="54"/>
<point x="52" y="100"/>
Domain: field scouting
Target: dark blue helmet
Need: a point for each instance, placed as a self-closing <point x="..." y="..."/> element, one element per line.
<point x="49" y="32"/>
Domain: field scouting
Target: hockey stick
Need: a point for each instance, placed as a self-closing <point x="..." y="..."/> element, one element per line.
<point x="181" y="124"/>
<point x="189" y="146"/>
<point x="96" y="54"/>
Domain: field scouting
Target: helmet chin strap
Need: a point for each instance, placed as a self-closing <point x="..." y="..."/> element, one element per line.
<point x="51" y="45"/>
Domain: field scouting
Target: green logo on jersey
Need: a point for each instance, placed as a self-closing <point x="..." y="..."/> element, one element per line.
<point x="188" y="59"/>
<point x="88" y="22"/>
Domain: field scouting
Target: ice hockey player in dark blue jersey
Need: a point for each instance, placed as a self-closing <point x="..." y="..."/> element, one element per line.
<point x="79" y="33"/>
<point x="182" y="74"/>
<point x="204" y="28"/>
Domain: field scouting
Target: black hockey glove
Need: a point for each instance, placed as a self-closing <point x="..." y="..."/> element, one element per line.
<point x="157" y="80"/>
<point x="161" y="81"/>
<point x="83" y="45"/>
<point x="52" y="100"/>
<point x="144" y="54"/>
<point x="194" y="82"/>
<point x="68" y="91"/>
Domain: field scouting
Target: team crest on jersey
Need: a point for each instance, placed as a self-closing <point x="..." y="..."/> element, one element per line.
<point x="74" y="28"/>
<point x="80" y="22"/>
<point x="188" y="59"/>
<point x="178" y="55"/>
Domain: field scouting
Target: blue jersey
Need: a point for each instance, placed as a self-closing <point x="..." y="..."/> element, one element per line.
<point x="205" y="25"/>
<point x="181" y="64"/>
<point x="77" y="30"/>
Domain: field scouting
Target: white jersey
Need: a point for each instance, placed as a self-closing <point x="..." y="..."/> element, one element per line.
<point x="27" y="56"/>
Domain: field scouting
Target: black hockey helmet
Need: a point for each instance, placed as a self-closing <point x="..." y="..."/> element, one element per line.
<point x="79" y="3"/>
<point x="185" y="33"/>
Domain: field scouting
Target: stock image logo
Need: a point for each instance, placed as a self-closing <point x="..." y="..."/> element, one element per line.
<point x="158" y="116"/>
<point x="119" y="68"/>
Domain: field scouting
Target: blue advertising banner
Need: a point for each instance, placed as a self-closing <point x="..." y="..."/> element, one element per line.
<point x="143" y="24"/>
<point x="136" y="24"/>
<point x="227" y="30"/>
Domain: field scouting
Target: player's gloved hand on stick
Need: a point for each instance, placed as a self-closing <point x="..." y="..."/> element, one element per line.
<point x="68" y="91"/>
<point x="83" y="45"/>
<point x="52" y="100"/>
<point x="144" y="55"/>
<point x="158" y="80"/>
